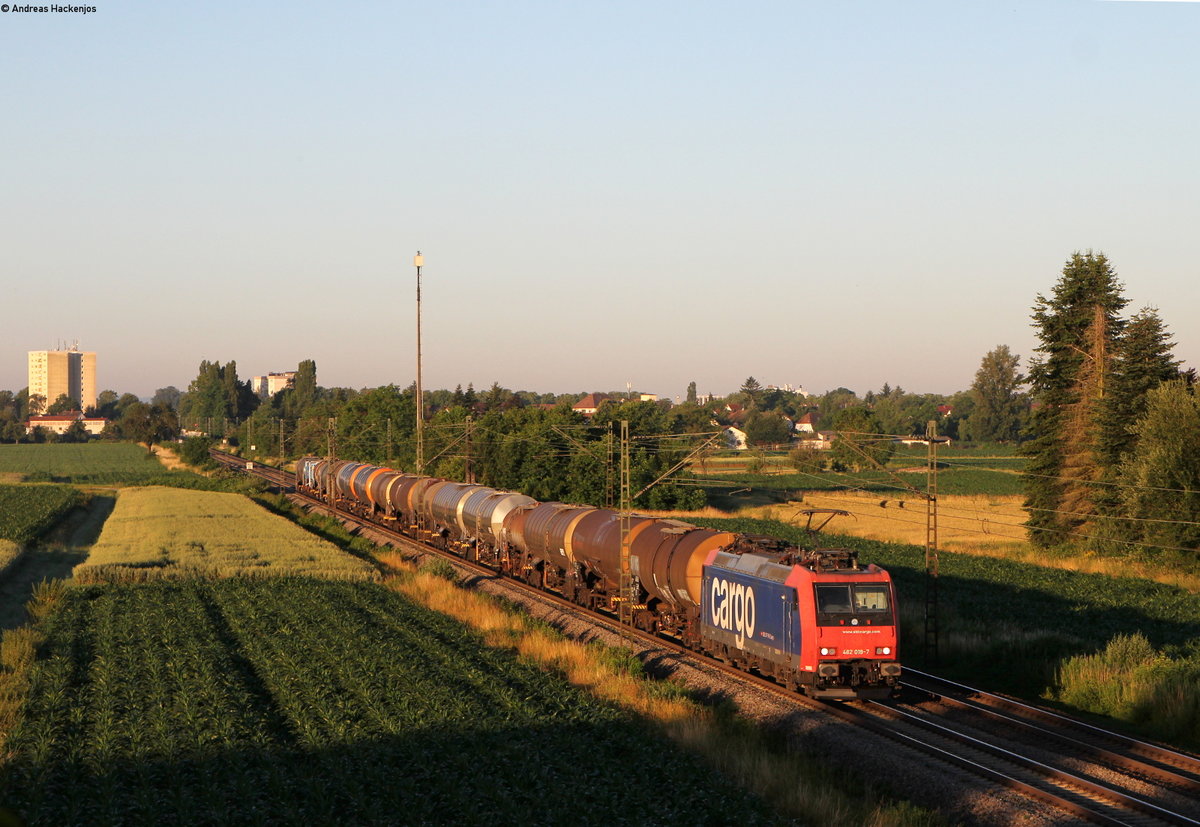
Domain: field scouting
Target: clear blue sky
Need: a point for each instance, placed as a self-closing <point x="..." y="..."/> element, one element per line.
<point x="815" y="193"/>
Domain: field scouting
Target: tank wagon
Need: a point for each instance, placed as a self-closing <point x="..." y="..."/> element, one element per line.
<point x="814" y="620"/>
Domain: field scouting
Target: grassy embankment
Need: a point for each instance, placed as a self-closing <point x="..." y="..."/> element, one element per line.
<point x="311" y="699"/>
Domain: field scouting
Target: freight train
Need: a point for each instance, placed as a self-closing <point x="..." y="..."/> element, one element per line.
<point x="814" y="620"/>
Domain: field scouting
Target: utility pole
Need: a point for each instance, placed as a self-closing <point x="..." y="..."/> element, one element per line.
<point x="330" y="434"/>
<point x="469" y="470"/>
<point x="625" y="606"/>
<point x="418" y="262"/>
<point x="281" y="440"/>
<point x="931" y="548"/>
<point x="608" y="467"/>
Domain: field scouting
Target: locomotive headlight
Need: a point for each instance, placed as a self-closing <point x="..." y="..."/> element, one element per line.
<point x="883" y="650"/>
<point x="827" y="651"/>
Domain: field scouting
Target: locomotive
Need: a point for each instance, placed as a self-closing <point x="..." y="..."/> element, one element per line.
<point x="814" y="620"/>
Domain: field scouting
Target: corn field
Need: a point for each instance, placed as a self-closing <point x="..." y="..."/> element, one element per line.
<point x="295" y="700"/>
<point x="26" y="511"/>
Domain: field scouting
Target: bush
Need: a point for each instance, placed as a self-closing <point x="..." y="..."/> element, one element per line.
<point x="194" y="451"/>
<point x="1132" y="681"/>
<point x="756" y="460"/>
<point x="438" y="567"/>
<point x="806" y="460"/>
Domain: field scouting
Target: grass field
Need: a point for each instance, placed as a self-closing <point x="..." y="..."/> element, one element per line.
<point x="26" y="511"/>
<point x="102" y="463"/>
<point x="92" y="462"/>
<point x="168" y="533"/>
<point x="961" y="472"/>
<point x="968" y="481"/>
<point x="990" y="526"/>
<point x="304" y="701"/>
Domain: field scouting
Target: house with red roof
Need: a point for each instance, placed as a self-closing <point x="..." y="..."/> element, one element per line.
<point x="60" y="423"/>
<point x="589" y="404"/>
<point x="807" y="423"/>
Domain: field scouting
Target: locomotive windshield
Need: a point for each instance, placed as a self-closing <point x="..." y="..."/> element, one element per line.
<point x="842" y="602"/>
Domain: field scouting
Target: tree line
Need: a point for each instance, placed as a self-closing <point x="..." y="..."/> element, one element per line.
<point x="1108" y="421"/>
<point x="128" y="417"/>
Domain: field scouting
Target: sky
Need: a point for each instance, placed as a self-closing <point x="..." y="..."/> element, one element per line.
<point x="644" y="193"/>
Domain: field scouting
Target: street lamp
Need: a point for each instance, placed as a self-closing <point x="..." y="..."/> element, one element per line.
<point x="418" y="261"/>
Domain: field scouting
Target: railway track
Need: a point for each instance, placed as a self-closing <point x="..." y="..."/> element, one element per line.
<point x="277" y="477"/>
<point x="1157" y="776"/>
<point x="1090" y="773"/>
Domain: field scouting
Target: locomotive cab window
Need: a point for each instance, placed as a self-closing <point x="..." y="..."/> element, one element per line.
<point x="839" y="603"/>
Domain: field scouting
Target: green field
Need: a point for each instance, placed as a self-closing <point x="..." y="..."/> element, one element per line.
<point x="307" y="702"/>
<point x="27" y="511"/>
<point x="168" y="533"/>
<point x="991" y="471"/>
<point x="100" y="463"/>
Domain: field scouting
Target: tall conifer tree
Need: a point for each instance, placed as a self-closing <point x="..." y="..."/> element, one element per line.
<point x="1143" y="362"/>
<point x="1077" y="326"/>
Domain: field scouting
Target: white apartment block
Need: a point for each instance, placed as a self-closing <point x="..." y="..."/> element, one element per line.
<point x="271" y="384"/>
<point x="55" y="372"/>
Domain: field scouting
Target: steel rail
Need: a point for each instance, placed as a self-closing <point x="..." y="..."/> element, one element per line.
<point x="1172" y="765"/>
<point x="1112" y="796"/>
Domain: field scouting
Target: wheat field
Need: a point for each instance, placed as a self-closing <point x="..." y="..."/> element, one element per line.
<point x="166" y="533"/>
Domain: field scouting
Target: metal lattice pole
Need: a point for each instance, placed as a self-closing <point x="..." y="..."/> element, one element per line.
<point x="608" y="467"/>
<point x="330" y="433"/>
<point x="469" y="470"/>
<point x="931" y="548"/>
<point x="418" y="262"/>
<point x="625" y="606"/>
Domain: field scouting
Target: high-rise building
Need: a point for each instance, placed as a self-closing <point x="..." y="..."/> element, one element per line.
<point x="55" y="372"/>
